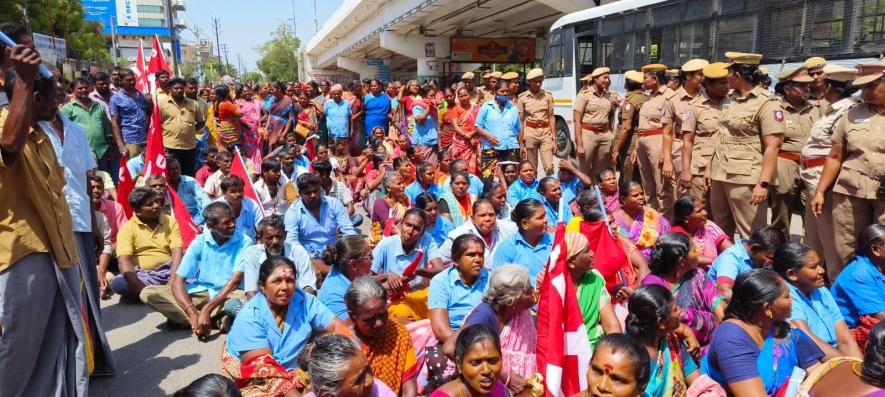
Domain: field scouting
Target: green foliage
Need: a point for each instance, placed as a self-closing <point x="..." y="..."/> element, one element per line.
<point x="279" y="60"/>
<point x="64" y="19"/>
<point x="252" y="75"/>
<point x="213" y="70"/>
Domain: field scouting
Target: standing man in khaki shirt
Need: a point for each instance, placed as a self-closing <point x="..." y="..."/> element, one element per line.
<point x="699" y="130"/>
<point x="181" y="118"/>
<point x="855" y="167"/>
<point x="629" y="115"/>
<point x="799" y="116"/>
<point x="745" y="156"/>
<point x="655" y="120"/>
<point x="815" y="68"/>
<point x="671" y="170"/>
<point x="538" y="123"/>
<point x="593" y="112"/>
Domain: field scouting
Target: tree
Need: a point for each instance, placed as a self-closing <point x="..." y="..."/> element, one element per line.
<point x="252" y="75"/>
<point x="64" y="19"/>
<point x="279" y="59"/>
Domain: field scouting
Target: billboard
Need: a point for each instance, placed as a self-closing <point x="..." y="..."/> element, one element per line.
<point x="492" y="50"/>
<point x="51" y="49"/>
<point x="125" y="16"/>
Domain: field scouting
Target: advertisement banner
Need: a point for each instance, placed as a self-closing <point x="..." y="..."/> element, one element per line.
<point x="51" y="49"/>
<point x="492" y="50"/>
<point x="127" y="13"/>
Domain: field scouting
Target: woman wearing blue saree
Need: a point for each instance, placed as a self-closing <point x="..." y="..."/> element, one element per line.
<point x="754" y="351"/>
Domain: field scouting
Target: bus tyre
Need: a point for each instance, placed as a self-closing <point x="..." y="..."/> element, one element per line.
<point x="564" y="146"/>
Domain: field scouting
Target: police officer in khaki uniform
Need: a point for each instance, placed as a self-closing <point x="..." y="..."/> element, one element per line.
<point x="469" y="84"/>
<point x="538" y="123"/>
<point x="513" y="79"/>
<point x="855" y="167"/>
<point x="655" y="120"/>
<point x="819" y="230"/>
<point x="691" y="77"/>
<point x="745" y="156"/>
<point x="699" y="130"/>
<point x="815" y="68"/>
<point x="487" y="91"/>
<point x="629" y="115"/>
<point x="799" y="116"/>
<point x="593" y="112"/>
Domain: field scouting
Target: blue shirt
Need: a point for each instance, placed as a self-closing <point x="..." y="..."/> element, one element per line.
<point x="249" y="217"/>
<point x="553" y="213"/>
<point x="388" y="255"/>
<point x="503" y="124"/>
<point x="332" y="293"/>
<point x="414" y="189"/>
<point x="206" y="266"/>
<point x="192" y="195"/>
<point x="519" y="191"/>
<point x="515" y="250"/>
<point x="440" y="230"/>
<point x="731" y="262"/>
<point x="859" y="290"/>
<point x="255" y="327"/>
<point x="425" y="133"/>
<point x="337" y="118"/>
<point x="448" y="292"/>
<point x="315" y="234"/>
<point x="377" y="110"/>
<point x="133" y="116"/>
<point x="570" y="189"/>
<point x="475" y="187"/>
<point x="136" y="165"/>
<point x="819" y="310"/>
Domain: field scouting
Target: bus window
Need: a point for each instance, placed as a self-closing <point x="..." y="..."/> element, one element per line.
<point x="553" y="55"/>
<point x="736" y="34"/>
<point x="568" y="50"/>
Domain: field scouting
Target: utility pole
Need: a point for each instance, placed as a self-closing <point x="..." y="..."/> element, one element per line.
<point x="316" y="25"/>
<point x="240" y="71"/>
<point x="215" y="22"/>
<point x="172" y="39"/>
<point x="114" y="39"/>
<point x="294" y="29"/>
<point x="226" y="63"/>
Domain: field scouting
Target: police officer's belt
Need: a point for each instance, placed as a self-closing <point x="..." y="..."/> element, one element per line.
<point x="595" y="127"/>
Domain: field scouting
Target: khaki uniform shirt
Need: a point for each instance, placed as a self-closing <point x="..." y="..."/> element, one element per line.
<point x="797" y="125"/>
<point x="657" y="111"/>
<point x="631" y="105"/>
<point x="703" y="121"/>
<point x="745" y="120"/>
<point x="535" y="108"/>
<point x="862" y="135"/>
<point x="680" y="99"/>
<point x="35" y="216"/>
<point x="485" y="94"/>
<point x="179" y="122"/>
<point x="820" y="140"/>
<point x="597" y="107"/>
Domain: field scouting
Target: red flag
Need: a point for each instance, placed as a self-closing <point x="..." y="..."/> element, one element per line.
<point x="155" y="154"/>
<point x="563" y="347"/>
<point x="158" y="60"/>
<point x="610" y="257"/>
<point x="141" y="80"/>
<point x="125" y="184"/>
<point x="186" y="224"/>
<point x="311" y="146"/>
<point x="238" y="168"/>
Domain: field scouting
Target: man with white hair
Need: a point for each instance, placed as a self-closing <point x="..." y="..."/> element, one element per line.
<point x="337" y="112"/>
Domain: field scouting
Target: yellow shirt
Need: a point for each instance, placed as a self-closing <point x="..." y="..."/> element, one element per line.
<point x="179" y="122"/>
<point x="35" y="217"/>
<point x="149" y="248"/>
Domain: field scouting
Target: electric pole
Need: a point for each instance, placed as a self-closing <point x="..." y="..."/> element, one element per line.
<point x="294" y="30"/>
<point x="172" y="39"/>
<point x="240" y="71"/>
<point x="215" y="22"/>
<point x="316" y="25"/>
<point x="226" y="63"/>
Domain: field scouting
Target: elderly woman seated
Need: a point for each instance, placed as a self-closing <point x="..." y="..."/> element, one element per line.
<point x="338" y="368"/>
<point x="506" y="309"/>
<point x="270" y="331"/>
<point x="386" y="343"/>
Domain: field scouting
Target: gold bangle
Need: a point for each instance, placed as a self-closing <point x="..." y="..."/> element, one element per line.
<point x="818" y="193"/>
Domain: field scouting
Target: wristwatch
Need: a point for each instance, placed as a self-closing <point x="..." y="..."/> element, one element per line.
<point x="763" y="185"/>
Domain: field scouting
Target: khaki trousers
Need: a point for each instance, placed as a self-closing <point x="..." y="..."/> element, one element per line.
<point x="671" y="189"/>
<point x="132" y="149"/>
<point x="851" y="215"/>
<point x="161" y="300"/>
<point x="629" y="171"/>
<point x="787" y="196"/>
<point x="732" y="210"/>
<point x="597" y="151"/>
<point x="698" y="189"/>
<point x="819" y="235"/>
<point x="539" y="141"/>
<point x="648" y="158"/>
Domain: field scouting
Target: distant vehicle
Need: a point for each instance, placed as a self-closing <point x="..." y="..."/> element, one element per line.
<point x="627" y="34"/>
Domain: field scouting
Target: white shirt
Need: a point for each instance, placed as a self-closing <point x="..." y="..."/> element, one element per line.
<point x="76" y="158"/>
<point x="252" y="258"/>
<point x="503" y="230"/>
<point x="212" y="187"/>
<point x="272" y="205"/>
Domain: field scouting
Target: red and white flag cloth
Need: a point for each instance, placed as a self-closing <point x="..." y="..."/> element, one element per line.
<point x="141" y="78"/>
<point x="125" y="184"/>
<point x="238" y="168"/>
<point x="154" y="153"/>
<point x="563" y="348"/>
<point x="156" y="64"/>
<point x="186" y="225"/>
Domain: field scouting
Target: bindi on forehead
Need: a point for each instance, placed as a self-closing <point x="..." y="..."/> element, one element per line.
<point x="607" y="368"/>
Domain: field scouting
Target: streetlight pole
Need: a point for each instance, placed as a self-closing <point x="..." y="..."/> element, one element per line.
<point x="114" y="39"/>
<point x="172" y="39"/>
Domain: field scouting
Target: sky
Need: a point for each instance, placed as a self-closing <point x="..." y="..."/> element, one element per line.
<point x="246" y="24"/>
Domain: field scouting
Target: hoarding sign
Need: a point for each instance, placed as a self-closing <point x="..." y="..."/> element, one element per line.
<point x="127" y="13"/>
<point x="51" y="49"/>
<point x="497" y="50"/>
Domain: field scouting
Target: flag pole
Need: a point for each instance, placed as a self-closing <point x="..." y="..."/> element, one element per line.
<point x="602" y="208"/>
<point x="243" y="163"/>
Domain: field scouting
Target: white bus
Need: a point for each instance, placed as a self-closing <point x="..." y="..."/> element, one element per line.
<point x="626" y="34"/>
